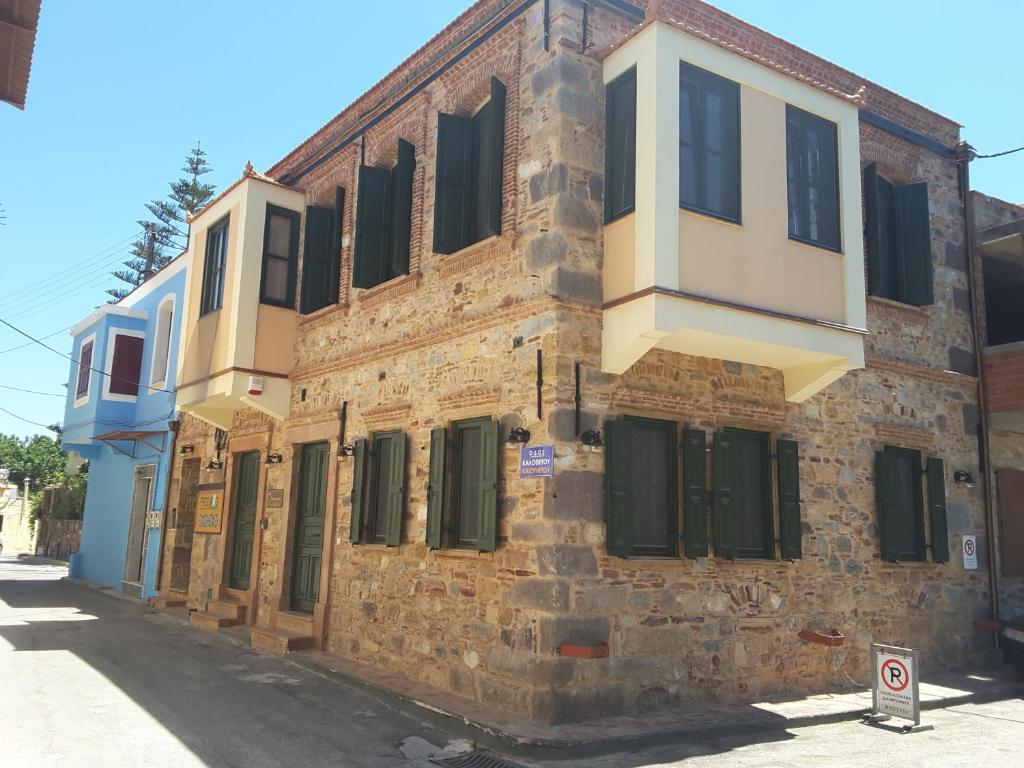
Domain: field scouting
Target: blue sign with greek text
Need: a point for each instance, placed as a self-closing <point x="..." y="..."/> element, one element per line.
<point x="537" y="461"/>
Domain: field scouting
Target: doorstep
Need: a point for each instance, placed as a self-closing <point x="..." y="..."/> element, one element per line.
<point x="522" y="737"/>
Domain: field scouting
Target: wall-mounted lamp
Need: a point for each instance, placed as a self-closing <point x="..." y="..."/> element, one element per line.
<point x="215" y="464"/>
<point x="593" y="438"/>
<point x="185" y="450"/>
<point x="273" y="458"/>
<point x="964" y="476"/>
<point x="346" y="450"/>
<point x="519" y="435"/>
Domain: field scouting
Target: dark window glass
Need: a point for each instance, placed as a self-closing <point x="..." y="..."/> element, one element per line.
<point x="383" y="220"/>
<point x="900" y="504"/>
<point x="84" y="369"/>
<point x="280" y="254"/>
<point x="752" y="495"/>
<point x="382" y="456"/>
<point x="620" y="146"/>
<point x="812" y="173"/>
<point x="214" y="267"/>
<point x="709" y="143"/>
<point x="654" y="488"/>
<point x="126" y="365"/>
<point x="467" y="495"/>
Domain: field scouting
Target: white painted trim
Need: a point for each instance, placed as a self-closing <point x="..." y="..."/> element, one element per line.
<point x="92" y="364"/>
<point x="155" y="282"/>
<point x="108" y="367"/>
<point x="162" y="382"/>
<point x="107" y="309"/>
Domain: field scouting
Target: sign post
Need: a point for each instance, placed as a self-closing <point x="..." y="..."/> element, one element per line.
<point x="894" y="686"/>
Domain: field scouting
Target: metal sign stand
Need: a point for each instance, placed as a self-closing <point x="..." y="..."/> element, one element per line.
<point x="894" y="687"/>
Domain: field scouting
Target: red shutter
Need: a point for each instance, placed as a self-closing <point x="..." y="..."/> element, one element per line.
<point x="84" y="367"/>
<point x="127" y="365"/>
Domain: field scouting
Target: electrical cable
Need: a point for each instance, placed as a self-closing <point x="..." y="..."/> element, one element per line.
<point x="998" y="154"/>
<point x="28" y="421"/>
<point x="30" y="391"/>
<point x="29" y="343"/>
<point x="76" y="362"/>
<point x="28" y="298"/>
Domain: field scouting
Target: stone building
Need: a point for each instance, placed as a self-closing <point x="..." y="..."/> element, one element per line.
<point x="637" y="232"/>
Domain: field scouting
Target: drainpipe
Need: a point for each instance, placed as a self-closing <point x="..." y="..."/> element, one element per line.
<point x="965" y="154"/>
<point x="173" y="426"/>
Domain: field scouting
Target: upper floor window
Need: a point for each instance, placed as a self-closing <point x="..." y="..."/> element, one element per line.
<point x="84" y="370"/>
<point x="620" y="146"/>
<point x="124" y="362"/>
<point x="384" y="220"/>
<point x="280" y="254"/>
<point x="898" y="238"/>
<point x="812" y="175"/>
<point x="470" y="162"/>
<point x="321" y="254"/>
<point x="709" y="143"/>
<point x="162" y="341"/>
<point x="214" y="267"/>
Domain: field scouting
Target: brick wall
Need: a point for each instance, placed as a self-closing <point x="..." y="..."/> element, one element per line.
<point x="1004" y="369"/>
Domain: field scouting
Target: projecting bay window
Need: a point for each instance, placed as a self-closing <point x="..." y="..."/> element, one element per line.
<point x="124" y="361"/>
<point x="384" y="220"/>
<point x="378" y="490"/>
<point x="214" y="267"/>
<point x="280" y="254"/>
<point x="620" y="146"/>
<point x="709" y="143"/>
<point x="462" y="486"/>
<point x="898" y="238"/>
<point x="900" y="500"/>
<point x="470" y="163"/>
<point x="321" y="255"/>
<point x="642" y="496"/>
<point x="84" y="371"/>
<point x="812" y="177"/>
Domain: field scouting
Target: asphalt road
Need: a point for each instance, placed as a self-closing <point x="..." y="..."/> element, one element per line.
<point x="89" y="680"/>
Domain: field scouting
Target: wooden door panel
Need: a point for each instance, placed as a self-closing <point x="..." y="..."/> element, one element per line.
<point x="309" y="527"/>
<point x="244" y="524"/>
<point x="1010" y="494"/>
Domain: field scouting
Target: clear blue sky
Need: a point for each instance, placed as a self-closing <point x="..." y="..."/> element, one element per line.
<point x="121" y="89"/>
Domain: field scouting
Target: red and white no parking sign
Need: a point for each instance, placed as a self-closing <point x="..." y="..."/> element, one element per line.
<point x="894" y="688"/>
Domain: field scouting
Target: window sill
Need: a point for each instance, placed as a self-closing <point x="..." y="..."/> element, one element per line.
<point x="902" y="306"/>
<point x="475" y="255"/>
<point x="388" y="290"/>
<point x="817" y="246"/>
<point x="717" y="217"/>
<point x="316" y="315"/>
<point x="461" y="554"/>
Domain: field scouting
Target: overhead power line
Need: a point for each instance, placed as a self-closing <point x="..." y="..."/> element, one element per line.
<point x="29" y="343"/>
<point x="66" y="284"/>
<point x="31" y="391"/>
<point x="998" y="154"/>
<point x="28" y="421"/>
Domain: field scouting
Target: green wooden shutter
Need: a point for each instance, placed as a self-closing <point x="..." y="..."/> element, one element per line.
<point x="487" y="530"/>
<point x="618" y="478"/>
<point x="493" y="161"/>
<point x="620" y="146"/>
<point x="396" y="491"/>
<point x="453" y="183"/>
<point x="435" y="486"/>
<point x="333" y="271"/>
<point x="884" y="498"/>
<point x="788" y="465"/>
<point x="877" y="235"/>
<point x="695" y="493"/>
<point x="724" y="472"/>
<point x="355" y="532"/>
<point x="372" y="227"/>
<point x="401" y="208"/>
<point x="937" y="510"/>
<point x="915" y="244"/>
<point x="316" y="249"/>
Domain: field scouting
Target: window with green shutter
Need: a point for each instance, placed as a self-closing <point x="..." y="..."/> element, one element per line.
<point x="695" y="493"/>
<point x="380" y="475"/>
<point x="787" y="462"/>
<point x="214" y="267"/>
<point x="937" y="510"/>
<point x="474" y="485"/>
<point x="620" y="146"/>
<point x="280" y="257"/>
<point x="436" y="480"/>
<point x="468" y="179"/>
<point x="812" y="179"/>
<point x="900" y="502"/>
<point x="321" y="255"/>
<point x="743" y="503"/>
<point x="383" y="220"/>
<point x="641" y="457"/>
<point x="897" y="232"/>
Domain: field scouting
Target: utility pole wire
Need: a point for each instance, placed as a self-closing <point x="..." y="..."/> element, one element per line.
<point x="998" y="154"/>
<point x="29" y="343"/>
<point x="76" y="362"/>
<point x="31" y="391"/>
<point x="28" y="421"/>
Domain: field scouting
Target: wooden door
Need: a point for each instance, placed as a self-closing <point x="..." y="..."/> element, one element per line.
<point x="135" y="552"/>
<point x="1010" y="494"/>
<point x="309" y="527"/>
<point x="184" y="521"/>
<point x="243" y="528"/>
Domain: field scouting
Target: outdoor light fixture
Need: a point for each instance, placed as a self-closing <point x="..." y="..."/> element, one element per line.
<point x="185" y="450"/>
<point x="273" y="458"/>
<point x="964" y="476"/>
<point x="215" y="464"/>
<point x="519" y="435"/>
<point x="592" y="437"/>
<point x="346" y="450"/>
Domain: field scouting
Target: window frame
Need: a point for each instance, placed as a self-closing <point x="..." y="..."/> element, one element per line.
<point x="917" y="510"/>
<point x="291" y="260"/>
<point x="455" y="479"/>
<point x="394" y="233"/>
<point x="804" y="122"/>
<point x="108" y="366"/>
<point x="215" y="267"/>
<point x="703" y="81"/>
<point x="629" y="163"/>
<point x="671" y="549"/>
<point x="377" y="486"/>
<point x="81" y="398"/>
<point x="767" y="550"/>
<point x="162" y="343"/>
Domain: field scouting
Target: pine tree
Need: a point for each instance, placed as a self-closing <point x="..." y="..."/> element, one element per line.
<point x="187" y="196"/>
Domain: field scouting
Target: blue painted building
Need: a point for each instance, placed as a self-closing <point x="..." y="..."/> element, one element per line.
<point x="118" y="416"/>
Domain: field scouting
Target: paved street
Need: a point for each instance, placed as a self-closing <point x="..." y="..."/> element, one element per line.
<point x="90" y="680"/>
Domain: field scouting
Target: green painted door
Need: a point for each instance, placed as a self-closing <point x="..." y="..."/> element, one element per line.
<point x="309" y="527"/>
<point x="244" y="526"/>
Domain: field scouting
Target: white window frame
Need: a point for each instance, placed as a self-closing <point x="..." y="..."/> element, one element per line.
<point x="80" y="401"/>
<point x="108" y="368"/>
<point x="158" y="340"/>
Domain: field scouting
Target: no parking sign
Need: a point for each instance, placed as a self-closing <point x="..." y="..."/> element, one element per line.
<point x="894" y="684"/>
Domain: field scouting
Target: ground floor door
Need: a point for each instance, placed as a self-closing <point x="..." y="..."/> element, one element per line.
<point x="1010" y="503"/>
<point x="184" y="522"/>
<point x="307" y="550"/>
<point x="243" y="529"/>
<point x="135" y="552"/>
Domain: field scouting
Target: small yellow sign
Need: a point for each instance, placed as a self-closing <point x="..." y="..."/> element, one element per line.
<point x="209" y="510"/>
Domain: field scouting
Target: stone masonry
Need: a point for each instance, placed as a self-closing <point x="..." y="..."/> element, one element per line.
<point x="458" y="337"/>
